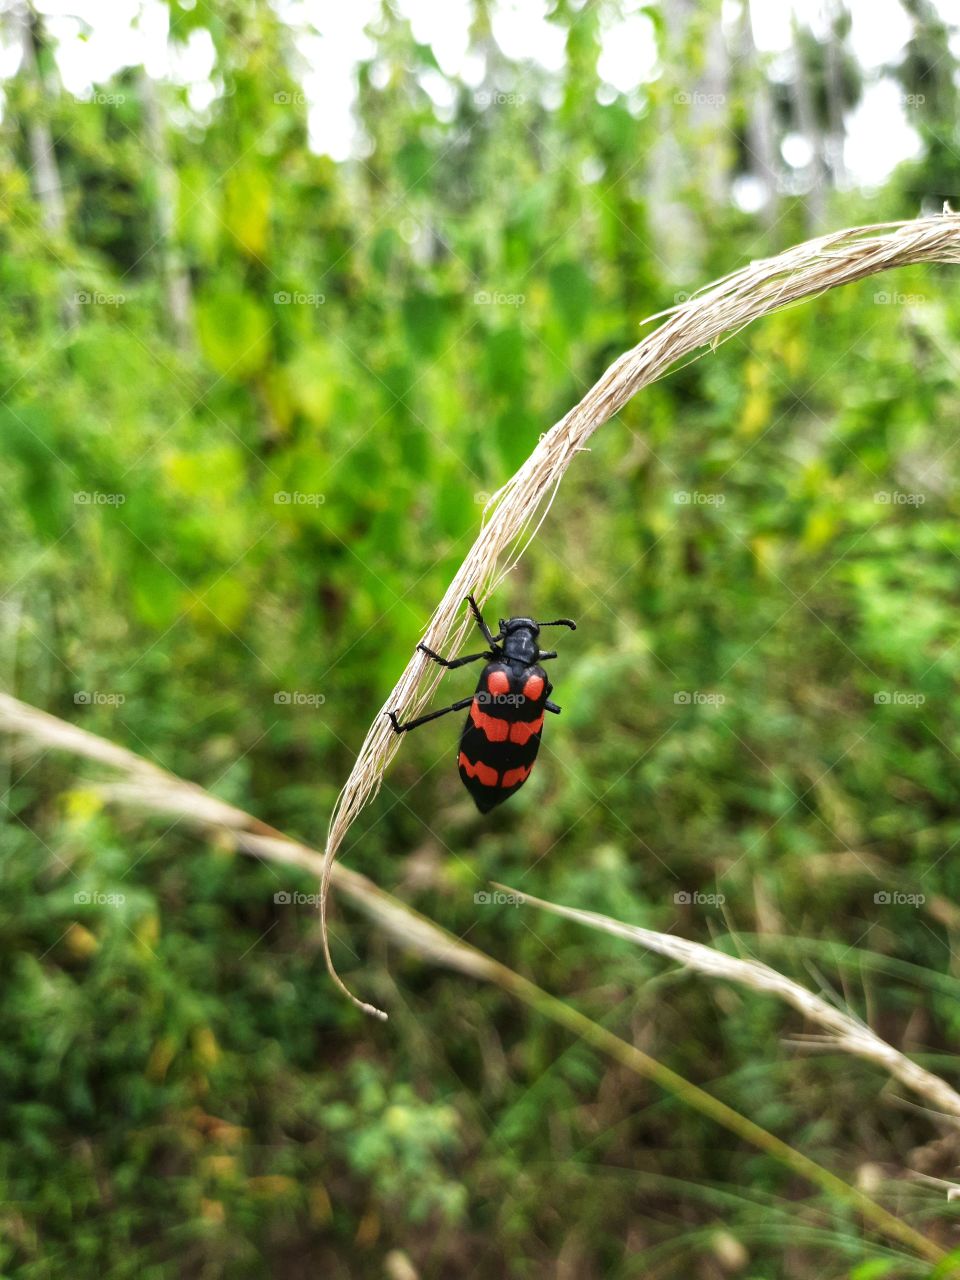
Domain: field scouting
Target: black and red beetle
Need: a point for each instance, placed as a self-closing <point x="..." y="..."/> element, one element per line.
<point x="501" y="737"/>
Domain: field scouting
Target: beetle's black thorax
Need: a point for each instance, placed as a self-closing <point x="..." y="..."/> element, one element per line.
<point x="519" y="644"/>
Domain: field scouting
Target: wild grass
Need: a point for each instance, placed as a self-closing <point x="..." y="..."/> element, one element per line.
<point x="515" y="512"/>
<point x="139" y="784"/>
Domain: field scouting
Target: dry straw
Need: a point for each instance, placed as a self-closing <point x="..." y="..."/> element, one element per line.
<point x="146" y="786"/>
<point x="844" y="1031"/>
<point x="512" y="516"/>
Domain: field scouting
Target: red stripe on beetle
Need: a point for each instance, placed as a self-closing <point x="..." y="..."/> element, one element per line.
<point x="522" y="731"/>
<point x="486" y="776"/>
<point x="495" y="727"/>
<point x="513" y="777"/>
<point x="498" y="682"/>
<point x="533" y="688"/>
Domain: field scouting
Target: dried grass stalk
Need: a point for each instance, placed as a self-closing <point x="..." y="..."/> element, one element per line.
<point x="845" y="1032"/>
<point x="719" y="310"/>
<point x="149" y="787"/>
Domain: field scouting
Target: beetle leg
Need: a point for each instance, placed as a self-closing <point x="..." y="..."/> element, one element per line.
<point x="552" y="706"/>
<point x="431" y="715"/>
<point x="450" y="663"/>
<point x="490" y="639"/>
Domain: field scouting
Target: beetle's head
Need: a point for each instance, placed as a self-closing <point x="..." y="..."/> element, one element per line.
<point x="509" y="625"/>
<point x="519" y="636"/>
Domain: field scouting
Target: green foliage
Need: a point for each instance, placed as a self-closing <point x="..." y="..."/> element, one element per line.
<point x="220" y="555"/>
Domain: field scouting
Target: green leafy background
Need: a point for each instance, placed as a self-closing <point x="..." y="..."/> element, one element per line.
<point x="182" y="1091"/>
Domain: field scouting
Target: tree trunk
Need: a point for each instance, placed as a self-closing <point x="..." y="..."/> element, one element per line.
<point x="44" y="173"/>
<point x="806" y="120"/>
<point x="176" y="279"/>
<point x="761" y="125"/>
<point x="691" y="161"/>
<point x="836" y="129"/>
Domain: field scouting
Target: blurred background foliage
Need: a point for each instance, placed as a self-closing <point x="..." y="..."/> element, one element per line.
<point x="253" y="402"/>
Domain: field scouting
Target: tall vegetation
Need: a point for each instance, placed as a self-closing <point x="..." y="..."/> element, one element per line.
<point x="252" y="403"/>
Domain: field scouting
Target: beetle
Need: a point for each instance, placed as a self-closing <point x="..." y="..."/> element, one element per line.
<point x="501" y="736"/>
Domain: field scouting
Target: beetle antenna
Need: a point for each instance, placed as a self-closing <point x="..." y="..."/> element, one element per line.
<point x="560" y="622"/>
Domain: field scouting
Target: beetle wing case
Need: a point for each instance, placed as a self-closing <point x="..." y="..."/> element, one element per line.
<point x="501" y="736"/>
